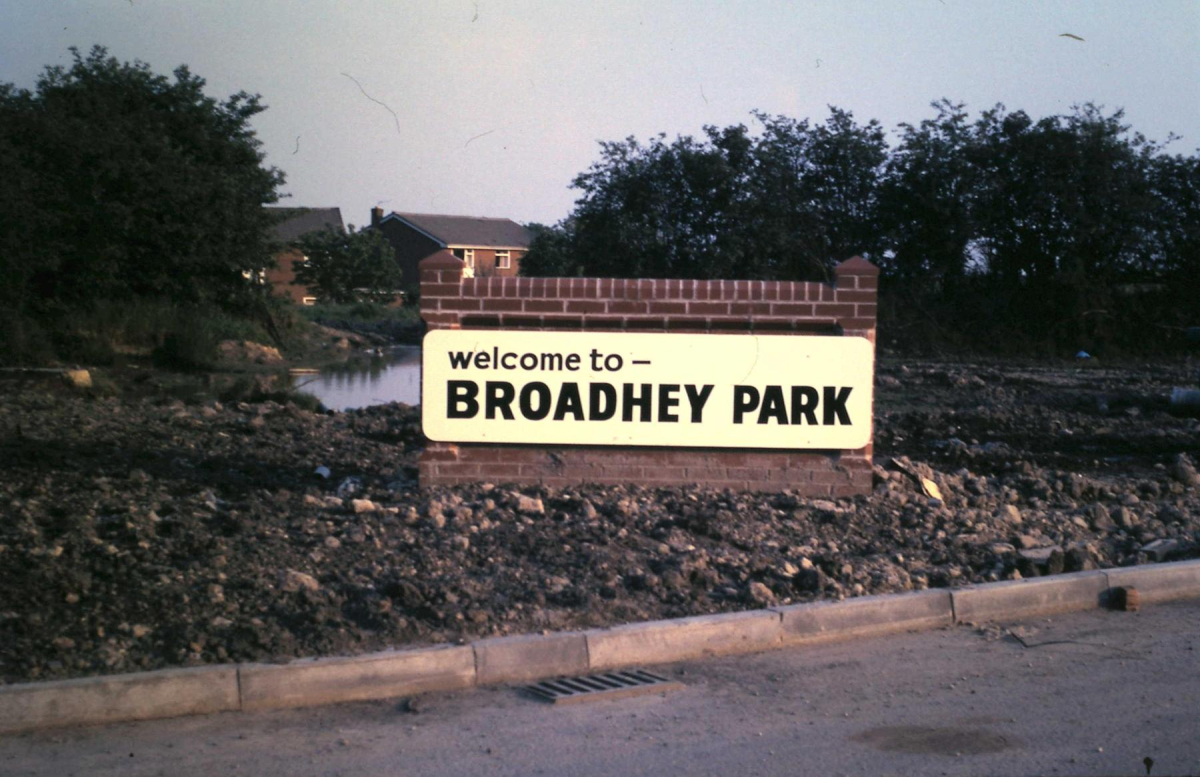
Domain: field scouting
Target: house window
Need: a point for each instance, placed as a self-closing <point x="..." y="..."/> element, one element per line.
<point x="503" y="260"/>
<point x="469" y="257"/>
<point x="309" y="300"/>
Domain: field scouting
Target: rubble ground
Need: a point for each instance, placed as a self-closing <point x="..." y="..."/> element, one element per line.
<point x="145" y="532"/>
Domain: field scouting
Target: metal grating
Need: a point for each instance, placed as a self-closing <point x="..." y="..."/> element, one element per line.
<point x="610" y="685"/>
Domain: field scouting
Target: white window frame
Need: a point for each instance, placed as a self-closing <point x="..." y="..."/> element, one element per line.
<point x="469" y="257"/>
<point x="503" y="260"/>
<point x="310" y="301"/>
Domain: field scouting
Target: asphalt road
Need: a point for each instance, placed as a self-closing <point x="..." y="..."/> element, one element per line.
<point x="1094" y="693"/>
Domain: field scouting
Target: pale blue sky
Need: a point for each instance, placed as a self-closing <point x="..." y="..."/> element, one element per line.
<point x="500" y="104"/>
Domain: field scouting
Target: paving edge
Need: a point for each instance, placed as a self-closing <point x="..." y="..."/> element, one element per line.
<point x="523" y="658"/>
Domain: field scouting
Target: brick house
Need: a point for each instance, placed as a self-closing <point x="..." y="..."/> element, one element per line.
<point x="293" y="224"/>
<point x="487" y="246"/>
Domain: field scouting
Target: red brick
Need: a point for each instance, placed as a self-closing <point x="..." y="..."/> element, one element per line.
<point x="865" y="310"/>
<point x="543" y="306"/>
<point x="730" y="324"/>
<point x="868" y="282"/>
<point x="750" y="308"/>
<point x="771" y="290"/>
<point x="502" y="304"/>
<point x="708" y="308"/>
<point x="459" y="304"/>
<point x="854" y="295"/>
<point x="471" y="321"/>
<point x="627" y="307"/>
<point x="440" y="290"/>
<point x="834" y="310"/>
<point x="857" y="324"/>
<point x="585" y="306"/>
<point x="604" y="322"/>
<point x="668" y="308"/>
<point x="798" y="309"/>
<point x="429" y="304"/>
<point x="571" y="323"/>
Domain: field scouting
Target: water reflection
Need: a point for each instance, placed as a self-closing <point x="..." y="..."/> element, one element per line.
<point x="393" y="376"/>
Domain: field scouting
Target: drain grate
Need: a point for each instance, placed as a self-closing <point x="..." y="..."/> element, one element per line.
<point x="610" y="685"/>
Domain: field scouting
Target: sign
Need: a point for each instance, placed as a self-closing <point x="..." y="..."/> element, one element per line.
<point x="588" y="388"/>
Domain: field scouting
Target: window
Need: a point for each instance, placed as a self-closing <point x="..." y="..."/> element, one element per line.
<point x="469" y="257"/>
<point x="503" y="260"/>
<point x="309" y="300"/>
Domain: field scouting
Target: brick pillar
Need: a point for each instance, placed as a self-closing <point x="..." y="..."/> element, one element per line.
<point x="856" y="282"/>
<point x="441" y="295"/>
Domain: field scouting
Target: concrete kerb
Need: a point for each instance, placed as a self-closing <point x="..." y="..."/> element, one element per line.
<point x="166" y="693"/>
<point x="203" y="690"/>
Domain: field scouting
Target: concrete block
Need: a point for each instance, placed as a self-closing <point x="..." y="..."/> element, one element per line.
<point x="374" y="676"/>
<point x="93" y="700"/>
<point x="530" y="657"/>
<point x="1016" y="599"/>
<point x="865" y="616"/>
<point x="1159" y="582"/>
<point x="660" y="642"/>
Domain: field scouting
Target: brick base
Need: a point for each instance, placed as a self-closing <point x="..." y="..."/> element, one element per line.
<point x="808" y="473"/>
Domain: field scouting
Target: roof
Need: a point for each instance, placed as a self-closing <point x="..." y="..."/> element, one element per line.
<point x="467" y="231"/>
<point x="297" y="222"/>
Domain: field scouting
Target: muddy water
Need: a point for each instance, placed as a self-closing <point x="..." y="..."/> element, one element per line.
<point x="393" y="376"/>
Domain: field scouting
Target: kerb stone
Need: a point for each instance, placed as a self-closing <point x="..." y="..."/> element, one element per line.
<point x="375" y="676"/>
<point x="1159" y="582"/>
<point x="530" y="657"/>
<point x="93" y="700"/>
<point x="1021" y="598"/>
<point x="865" y="616"/>
<point x="660" y="642"/>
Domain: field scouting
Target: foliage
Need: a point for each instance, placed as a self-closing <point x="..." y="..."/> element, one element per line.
<point x="121" y="184"/>
<point x="343" y="266"/>
<point x="1038" y="229"/>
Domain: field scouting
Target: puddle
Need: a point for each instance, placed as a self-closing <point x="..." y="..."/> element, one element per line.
<point x="394" y="376"/>
<point x="924" y="740"/>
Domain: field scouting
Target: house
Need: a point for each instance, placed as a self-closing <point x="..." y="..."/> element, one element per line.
<point x="488" y="246"/>
<point x="293" y="224"/>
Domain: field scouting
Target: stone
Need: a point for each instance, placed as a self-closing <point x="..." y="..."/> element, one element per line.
<point x="1159" y="550"/>
<point x="1101" y="520"/>
<point x="293" y="581"/>
<point x="759" y="593"/>
<point x="77" y="379"/>
<point x="1184" y="471"/>
<point x="527" y="504"/>
<point x="360" y="506"/>
<point x="1009" y="513"/>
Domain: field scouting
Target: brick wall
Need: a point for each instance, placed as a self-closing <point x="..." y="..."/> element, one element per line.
<point x="783" y="308"/>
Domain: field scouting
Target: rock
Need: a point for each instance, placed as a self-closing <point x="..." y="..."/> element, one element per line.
<point x="322" y="472"/>
<point x="292" y="581"/>
<point x="360" y="506"/>
<point x="247" y="351"/>
<point x="1027" y="541"/>
<point x="349" y="487"/>
<point x="1184" y="471"/>
<point x="1009" y="513"/>
<point x="333" y="543"/>
<point x="759" y="593"/>
<point x="64" y="643"/>
<point x="140" y="631"/>
<point x="526" y="504"/>
<point x="77" y="379"/>
<point x="1159" y="550"/>
<point x="1101" y="520"/>
<point x="1125" y="518"/>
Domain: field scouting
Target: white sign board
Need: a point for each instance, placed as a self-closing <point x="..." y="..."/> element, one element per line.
<point x="692" y="390"/>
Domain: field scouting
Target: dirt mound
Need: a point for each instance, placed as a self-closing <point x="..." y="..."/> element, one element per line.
<point x="142" y="533"/>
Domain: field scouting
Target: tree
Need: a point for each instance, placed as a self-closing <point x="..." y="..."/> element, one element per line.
<point x="343" y="266"/>
<point x="789" y="203"/>
<point x="122" y="183"/>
